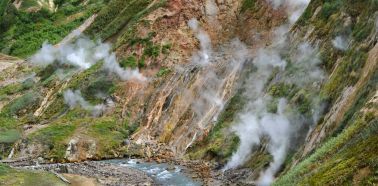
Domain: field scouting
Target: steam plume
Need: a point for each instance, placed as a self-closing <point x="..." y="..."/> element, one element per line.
<point x="82" y="55"/>
<point x="256" y="121"/>
<point x="340" y="43"/>
<point x="74" y="99"/>
<point x="202" y="57"/>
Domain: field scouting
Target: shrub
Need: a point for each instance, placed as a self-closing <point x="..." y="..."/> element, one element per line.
<point x="329" y="8"/>
<point x="9" y="136"/>
<point x="247" y="5"/>
<point x="152" y="50"/>
<point x="362" y="30"/>
<point x="129" y="62"/>
<point x="165" y="48"/>
<point x="27" y="101"/>
<point x="163" y="72"/>
<point x="280" y="90"/>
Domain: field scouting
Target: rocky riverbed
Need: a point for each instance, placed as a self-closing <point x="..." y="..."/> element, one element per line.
<point x="105" y="173"/>
<point x="138" y="172"/>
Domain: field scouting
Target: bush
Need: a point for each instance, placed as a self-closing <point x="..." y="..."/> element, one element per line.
<point x="97" y="85"/>
<point x="152" y="50"/>
<point x="129" y="62"/>
<point x="330" y="8"/>
<point x="163" y="72"/>
<point x="247" y="5"/>
<point x="9" y="136"/>
<point x="165" y="48"/>
<point x="27" y="101"/>
<point x="362" y="30"/>
<point x="346" y="74"/>
<point x="280" y="90"/>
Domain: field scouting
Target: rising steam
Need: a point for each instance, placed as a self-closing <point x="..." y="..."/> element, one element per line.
<point x="301" y="68"/>
<point x="340" y="42"/>
<point x="202" y="57"/>
<point x="82" y="54"/>
<point x="74" y="99"/>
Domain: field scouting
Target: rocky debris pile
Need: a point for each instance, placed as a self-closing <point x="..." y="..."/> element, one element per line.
<point x="105" y="173"/>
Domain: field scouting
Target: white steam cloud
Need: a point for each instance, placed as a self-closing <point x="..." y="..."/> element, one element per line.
<point x="256" y="121"/>
<point x="294" y="8"/>
<point x="203" y="56"/>
<point x="217" y="73"/>
<point x="83" y="54"/>
<point x="74" y="99"/>
<point x="340" y="42"/>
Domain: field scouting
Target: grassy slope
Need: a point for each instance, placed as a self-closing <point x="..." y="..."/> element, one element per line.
<point x="9" y="176"/>
<point x="341" y="158"/>
<point x="348" y="155"/>
<point x="108" y="132"/>
<point x="217" y="145"/>
<point x="23" y="32"/>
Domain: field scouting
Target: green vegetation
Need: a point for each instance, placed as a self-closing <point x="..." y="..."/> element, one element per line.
<point x="16" y="87"/>
<point x="362" y="30"/>
<point x="10" y="176"/>
<point x="366" y="92"/>
<point x="109" y="134"/>
<point x="220" y="144"/>
<point x="346" y="74"/>
<point x="120" y="14"/>
<point x="355" y="146"/>
<point x="247" y="5"/>
<point x="353" y="142"/>
<point x="9" y="136"/>
<point x="329" y="8"/>
<point x="280" y="90"/>
<point x="55" y="136"/>
<point x="21" y="104"/>
<point x="129" y="62"/>
<point x="90" y="82"/>
<point x="150" y="49"/>
<point x="163" y="72"/>
<point x="3" y="6"/>
<point x="22" y="32"/>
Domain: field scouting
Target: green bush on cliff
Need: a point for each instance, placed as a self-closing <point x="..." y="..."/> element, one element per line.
<point x="329" y="8"/>
<point x="362" y="30"/>
<point x="247" y="5"/>
<point x="163" y="72"/>
<point x="25" y="102"/>
<point x="346" y="74"/>
<point x="129" y="62"/>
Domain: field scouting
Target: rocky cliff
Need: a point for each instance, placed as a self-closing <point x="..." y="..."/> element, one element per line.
<point x="272" y="92"/>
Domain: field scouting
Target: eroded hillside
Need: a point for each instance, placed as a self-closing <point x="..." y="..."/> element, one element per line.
<point x="261" y="89"/>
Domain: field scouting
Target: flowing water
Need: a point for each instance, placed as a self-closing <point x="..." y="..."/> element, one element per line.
<point x="162" y="173"/>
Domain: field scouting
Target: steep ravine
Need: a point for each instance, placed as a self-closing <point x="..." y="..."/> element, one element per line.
<point x="251" y="92"/>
